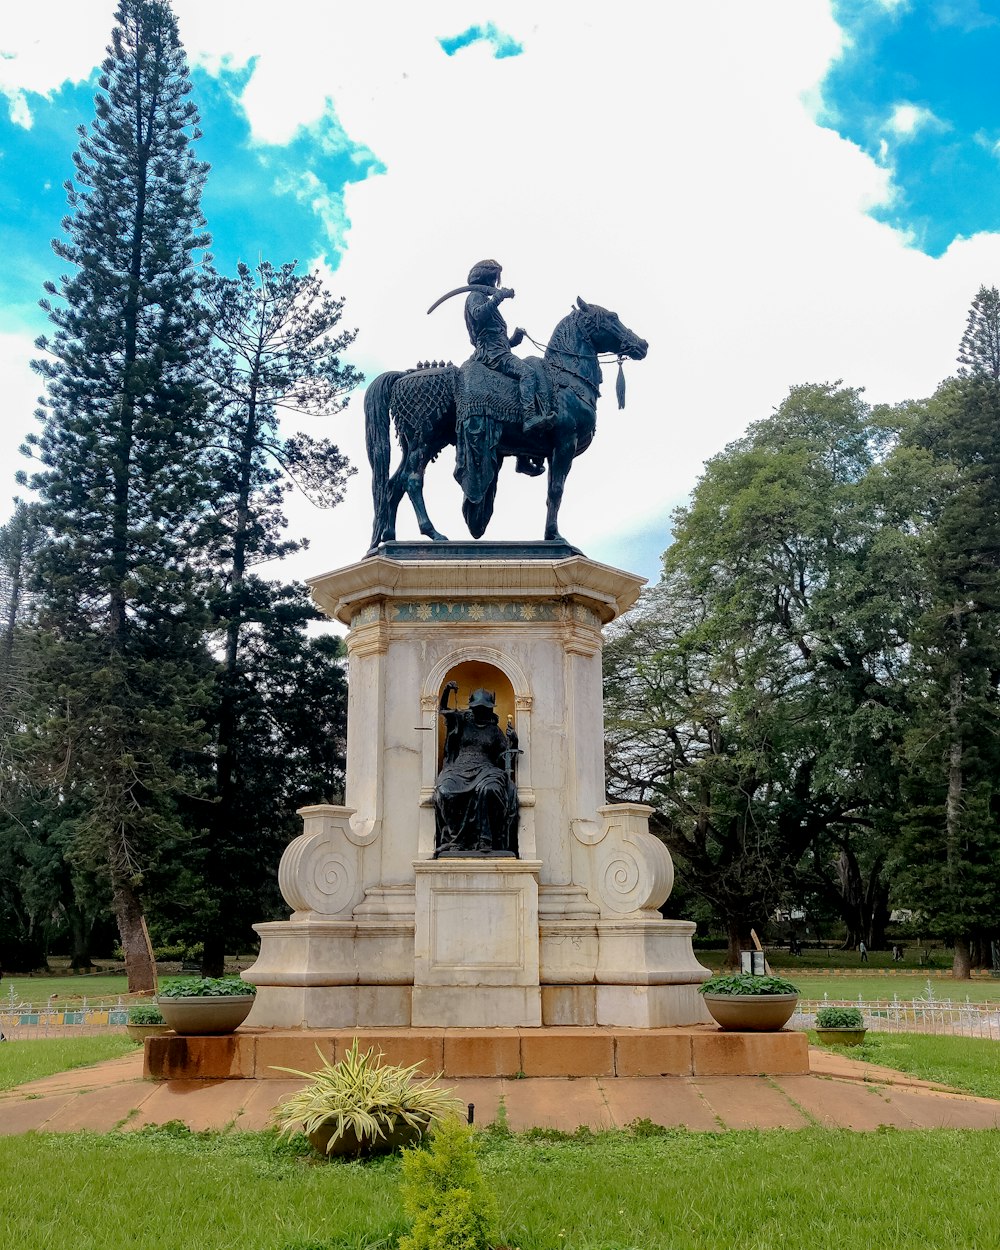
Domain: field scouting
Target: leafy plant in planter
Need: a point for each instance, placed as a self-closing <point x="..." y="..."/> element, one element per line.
<point x="756" y="1004"/>
<point x="362" y="1105"/>
<point x="840" y="1026"/>
<point x="145" y="1020"/>
<point x="205" y="1005"/>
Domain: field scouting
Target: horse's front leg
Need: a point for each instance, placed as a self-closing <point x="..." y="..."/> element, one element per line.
<point x="417" y="460"/>
<point x="563" y="451"/>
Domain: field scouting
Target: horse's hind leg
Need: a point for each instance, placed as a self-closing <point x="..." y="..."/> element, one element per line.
<point x="397" y="488"/>
<point x="414" y="467"/>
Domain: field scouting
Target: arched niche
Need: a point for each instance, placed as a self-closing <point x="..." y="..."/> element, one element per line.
<point x="477" y="674"/>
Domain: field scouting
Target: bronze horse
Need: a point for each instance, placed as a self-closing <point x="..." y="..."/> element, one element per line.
<point x="425" y="404"/>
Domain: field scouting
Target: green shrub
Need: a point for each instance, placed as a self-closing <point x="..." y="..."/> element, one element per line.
<point x="363" y="1097"/>
<point x="145" y="1013"/>
<point x="839" y="1018"/>
<point x="743" y="983"/>
<point x="205" y="987"/>
<point x="445" y="1195"/>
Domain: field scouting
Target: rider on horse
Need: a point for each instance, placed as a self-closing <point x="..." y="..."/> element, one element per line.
<point x="488" y="335"/>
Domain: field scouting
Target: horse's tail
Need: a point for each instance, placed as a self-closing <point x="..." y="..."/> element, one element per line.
<point x="377" y="399"/>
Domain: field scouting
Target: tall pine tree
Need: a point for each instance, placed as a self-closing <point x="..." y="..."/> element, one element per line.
<point x="951" y="823"/>
<point x="123" y="489"/>
<point x="277" y="346"/>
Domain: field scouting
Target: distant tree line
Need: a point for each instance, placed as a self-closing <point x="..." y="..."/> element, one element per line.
<point x="163" y="707"/>
<point x="810" y="696"/>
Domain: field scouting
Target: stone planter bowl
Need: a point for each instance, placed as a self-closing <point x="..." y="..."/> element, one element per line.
<point x="841" y="1037"/>
<point x="348" y="1144"/>
<point x="206" y="1015"/>
<point x="139" y="1032"/>
<point x="751" y="1013"/>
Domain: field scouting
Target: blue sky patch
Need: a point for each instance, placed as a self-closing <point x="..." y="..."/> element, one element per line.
<point x="503" y="45"/>
<point x="280" y="203"/>
<point x="918" y="90"/>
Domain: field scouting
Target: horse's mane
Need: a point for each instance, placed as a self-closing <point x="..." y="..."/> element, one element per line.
<point x="570" y="349"/>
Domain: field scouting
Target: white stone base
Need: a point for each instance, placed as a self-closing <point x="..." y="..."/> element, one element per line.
<point x="331" y="1007"/>
<point x="475" y="943"/>
<point x="477" y="1007"/>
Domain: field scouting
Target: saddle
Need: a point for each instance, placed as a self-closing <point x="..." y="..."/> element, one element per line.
<point x="482" y="392"/>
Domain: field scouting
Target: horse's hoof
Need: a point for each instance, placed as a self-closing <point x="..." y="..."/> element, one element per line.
<point x="435" y="537"/>
<point x="554" y="537"/>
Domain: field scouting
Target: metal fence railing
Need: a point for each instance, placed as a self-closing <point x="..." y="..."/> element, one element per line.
<point x="21" y="1021"/>
<point x="946" y="1017"/>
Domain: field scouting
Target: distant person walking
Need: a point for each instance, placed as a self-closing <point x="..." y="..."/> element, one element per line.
<point x="863" y="952"/>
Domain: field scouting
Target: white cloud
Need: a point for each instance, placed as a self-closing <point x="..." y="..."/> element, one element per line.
<point x="907" y="120"/>
<point x="44" y="45"/>
<point x="20" y="113"/>
<point x="674" y="171"/>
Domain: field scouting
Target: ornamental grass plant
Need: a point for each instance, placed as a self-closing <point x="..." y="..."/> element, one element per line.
<point x="360" y="1104"/>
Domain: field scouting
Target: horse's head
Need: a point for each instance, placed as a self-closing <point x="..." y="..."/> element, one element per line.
<point x="606" y="332"/>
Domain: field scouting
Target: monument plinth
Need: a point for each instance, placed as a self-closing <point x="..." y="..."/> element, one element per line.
<point x="569" y="931"/>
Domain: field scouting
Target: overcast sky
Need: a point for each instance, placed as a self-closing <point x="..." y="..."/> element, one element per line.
<point x="770" y="192"/>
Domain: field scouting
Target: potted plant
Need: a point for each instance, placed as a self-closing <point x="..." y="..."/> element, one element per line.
<point x="745" y="1003"/>
<point x="145" y="1020"/>
<point x="840" y="1026"/>
<point x="363" y="1106"/>
<point x="205" y="1005"/>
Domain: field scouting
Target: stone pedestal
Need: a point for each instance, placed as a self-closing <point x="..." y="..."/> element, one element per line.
<point x="476" y="943"/>
<point x="570" y="933"/>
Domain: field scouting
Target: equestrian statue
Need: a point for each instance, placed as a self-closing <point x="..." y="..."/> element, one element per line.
<point x="537" y="409"/>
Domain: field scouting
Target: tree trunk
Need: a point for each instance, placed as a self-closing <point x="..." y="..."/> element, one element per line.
<point x="961" y="964"/>
<point x="213" y="958"/>
<point x="738" y="933"/>
<point x="140" y="967"/>
<point x="79" y="930"/>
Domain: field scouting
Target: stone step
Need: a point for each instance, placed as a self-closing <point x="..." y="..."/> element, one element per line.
<point x="700" y="1050"/>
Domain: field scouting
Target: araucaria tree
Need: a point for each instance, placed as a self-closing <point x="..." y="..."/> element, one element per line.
<point x="122" y="486"/>
<point x="951" y="820"/>
<point x="277" y="347"/>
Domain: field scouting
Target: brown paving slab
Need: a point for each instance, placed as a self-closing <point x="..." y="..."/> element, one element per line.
<point x="721" y="1053"/>
<point x="291" y="1050"/>
<point x="485" y="1095"/>
<point x="749" y="1102"/>
<point x="567" y="1052"/>
<point x="664" y="1100"/>
<point x="482" y="1052"/>
<point x="31" y="1113"/>
<point x="198" y="1104"/>
<point x="934" y="1110"/>
<point x="829" y="1063"/>
<point x="100" y="1110"/>
<point x="653" y="1053"/>
<point x="98" y="1076"/>
<point x="262" y="1098"/>
<point x="556" y="1102"/>
<point x="842" y="1104"/>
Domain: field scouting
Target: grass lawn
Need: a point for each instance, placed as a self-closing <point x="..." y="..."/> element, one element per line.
<point x="21" y="1062"/>
<point x="872" y="989"/>
<point x="615" y="1191"/>
<point x="971" y="1064"/>
<point x="68" y="991"/>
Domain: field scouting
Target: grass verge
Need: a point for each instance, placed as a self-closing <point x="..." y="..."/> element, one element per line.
<point x="610" y="1191"/>
<point x="21" y="1062"/>
<point x="970" y="1064"/>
